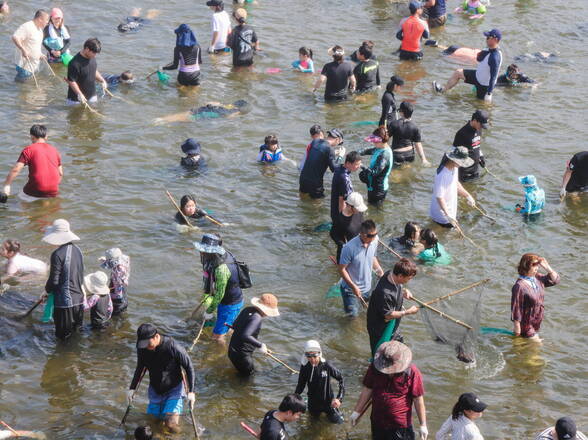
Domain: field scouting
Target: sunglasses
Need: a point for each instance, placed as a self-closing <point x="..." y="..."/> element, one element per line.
<point x="311" y="355"/>
<point x="374" y="235"/>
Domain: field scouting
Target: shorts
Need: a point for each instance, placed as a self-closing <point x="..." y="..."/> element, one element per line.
<point x="350" y="302"/>
<point x="470" y="78"/>
<point x="189" y="78"/>
<point x="445" y="225"/>
<point x="406" y="55"/>
<point x="67" y="320"/>
<point x="243" y="361"/>
<point x="226" y="314"/>
<point x="401" y="157"/>
<point x="243" y="63"/>
<point x="379" y="433"/>
<point x="22" y="74"/>
<point x="437" y="21"/>
<point x="171" y="402"/>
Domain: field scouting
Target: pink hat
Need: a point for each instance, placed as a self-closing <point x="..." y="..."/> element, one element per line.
<point x="56" y="13"/>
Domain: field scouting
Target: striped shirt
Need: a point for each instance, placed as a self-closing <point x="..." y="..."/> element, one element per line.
<point x="549" y="434"/>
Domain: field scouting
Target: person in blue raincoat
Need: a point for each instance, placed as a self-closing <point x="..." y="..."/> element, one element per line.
<point x="534" y="196"/>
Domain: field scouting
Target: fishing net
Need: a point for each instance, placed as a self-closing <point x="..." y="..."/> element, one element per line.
<point x="466" y="308"/>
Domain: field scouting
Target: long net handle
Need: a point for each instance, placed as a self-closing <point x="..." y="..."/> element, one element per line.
<point x="456" y="292"/>
<point x="443" y="315"/>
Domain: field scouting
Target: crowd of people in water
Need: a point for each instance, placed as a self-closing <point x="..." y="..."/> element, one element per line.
<point x="393" y="384"/>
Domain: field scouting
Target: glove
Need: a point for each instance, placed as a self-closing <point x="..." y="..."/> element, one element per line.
<point x="82" y="99"/>
<point x="562" y="193"/>
<point x="424" y="432"/>
<point x="208" y="316"/>
<point x="210" y="50"/>
<point x="191" y="400"/>
<point x="488" y="97"/>
<point x="471" y="201"/>
<point x="354" y="418"/>
<point x="3" y="197"/>
<point x="130" y="396"/>
<point x="6" y="190"/>
<point x="482" y="162"/>
<point x="426" y="164"/>
<point x="263" y="349"/>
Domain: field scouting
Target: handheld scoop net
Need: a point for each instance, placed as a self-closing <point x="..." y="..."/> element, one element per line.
<point x="466" y="308"/>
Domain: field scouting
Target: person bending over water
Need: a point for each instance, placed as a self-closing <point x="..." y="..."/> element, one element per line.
<point x="134" y="22"/>
<point x="18" y="264"/>
<point x="208" y="111"/>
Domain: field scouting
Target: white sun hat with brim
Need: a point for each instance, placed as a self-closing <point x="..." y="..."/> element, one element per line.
<point x="311" y="346"/>
<point x="96" y="284"/>
<point x="267" y="303"/>
<point x="59" y="233"/>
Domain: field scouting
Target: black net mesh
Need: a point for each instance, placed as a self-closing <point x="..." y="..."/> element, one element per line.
<point x="465" y="307"/>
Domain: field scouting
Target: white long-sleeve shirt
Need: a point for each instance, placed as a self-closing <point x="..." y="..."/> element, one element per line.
<point x="460" y="429"/>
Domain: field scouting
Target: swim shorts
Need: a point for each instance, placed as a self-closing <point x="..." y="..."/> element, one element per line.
<point x="168" y="403"/>
<point x="470" y="78"/>
<point x="226" y="314"/>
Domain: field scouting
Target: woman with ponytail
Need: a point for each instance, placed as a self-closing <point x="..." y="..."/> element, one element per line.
<point x="460" y="425"/>
<point x="434" y="252"/>
<point x="339" y="76"/>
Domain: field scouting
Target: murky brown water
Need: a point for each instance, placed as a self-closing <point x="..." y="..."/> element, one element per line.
<point x="113" y="193"/>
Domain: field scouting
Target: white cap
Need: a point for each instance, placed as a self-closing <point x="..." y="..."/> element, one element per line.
<point x="355" y="199"/>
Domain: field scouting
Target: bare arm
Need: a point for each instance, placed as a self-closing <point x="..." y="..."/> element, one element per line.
<point x="319" y="82"/>
<point x="99" y="78"/>
<point x="443" y="206"/>
<point x="16" y="169"/>
<point x="60" y="170"/>
<point x="353" y="82"/>
<point x="462" y="191"/>
<point x="421" y="152"/>
<point x="214" y="38"/>
<point x="377" y="268"/>
<point x="18" y="44"/>
<point x="566" y="178"/>
<point x="516" y="328"/>
<point x="364" y="397"/>
<point x="419" y="406"/>
<point x="345" y="275"/>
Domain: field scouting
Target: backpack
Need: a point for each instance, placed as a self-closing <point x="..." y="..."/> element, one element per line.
<point x="244" y="276"/>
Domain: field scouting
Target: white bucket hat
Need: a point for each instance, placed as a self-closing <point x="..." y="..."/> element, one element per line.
<point x="267" y="303"/>
<point x="59" y="233"/>
<point x="96" y="284"/>
<point x="311" y="346"/>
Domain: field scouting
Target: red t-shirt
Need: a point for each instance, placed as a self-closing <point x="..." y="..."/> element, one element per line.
<point x="43" y="161"/>
<point x="392" y="396"/>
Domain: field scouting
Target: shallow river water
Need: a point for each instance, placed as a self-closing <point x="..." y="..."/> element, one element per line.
<point x="116" y="170"/>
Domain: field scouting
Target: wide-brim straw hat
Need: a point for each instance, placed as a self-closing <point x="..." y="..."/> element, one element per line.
<point x="460" y="156"/>
<point x="96" y="284"/>
<point x="392" y="357"/>
<point x="267" y="303"/>
<point x="59" y="233"/>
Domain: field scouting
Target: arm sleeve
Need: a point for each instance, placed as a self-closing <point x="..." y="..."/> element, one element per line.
<point x="516" y="303"/>
<point x="425" y="30"/>
<point x="400" y="34"/>
<point x="493" y="63"/>
<point x="301" y="381"/>
<point x="336" y="374"/>
<point x="174" y="64"/>
<point x="184" y="360"/>
<point x="91" y="302"/>
<point x="72" y="72"/>
<point x="222" y="274"/>
<point x="367" y="151"/>
<point x="66" y="42"/>
<point x="548" y="281"/>
<point x="250" y="328"/>
<point x="332" y="160"/>
<point x="379" y="167"/>
<point x="138" y="371"/>
<point x="378" y="75"/>
<point x="385" y="108"/>
<point x="525" y="79"/>
<point x="444" y="430"/>
<point x="528" y="206"/>
<point x="253" y="36"/>
<point x="54" y="274"/>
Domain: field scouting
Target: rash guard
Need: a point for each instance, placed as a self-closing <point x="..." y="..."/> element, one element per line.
<point x="318" y="381"/>
<point x="489" y="65"/>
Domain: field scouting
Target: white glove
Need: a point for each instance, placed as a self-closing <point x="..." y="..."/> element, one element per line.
<point x="354" y="417"/>
<point x="82" y="99"/>
<point x="130" y="396"/>
<point x="6" y="190"/>
<point x="208" y="316"/>
<point x="210" y="50"/>
<point x="263" y="349"/>
<point x="471" y="201"/>
<point x="191" y="400"/>
<point x="488" y="98"/>
<point x="562" y="192"/>
<point x="424" y="432"/>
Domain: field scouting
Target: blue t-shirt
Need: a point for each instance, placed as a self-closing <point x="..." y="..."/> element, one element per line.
<point x="359" y="261"/>
<point x="438" y="10"/>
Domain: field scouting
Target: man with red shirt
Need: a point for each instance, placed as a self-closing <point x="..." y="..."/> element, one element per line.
<point x="45" y="170"/>
<point x="393" y="385"/>
<point x="412" y="29"/>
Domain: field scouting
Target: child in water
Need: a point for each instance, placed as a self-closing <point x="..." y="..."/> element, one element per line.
<point x="208" y="111"/>
<point x="304" y="62"/>
<point x="534" y="196"/>
<point x="434" y="252"/>
<point x="191" y="147"/>
<point x="513" y="77"/>
<point x="134" y="22"/>
<point x="126" y="77"/>
<point x="97" y="299"/>
<point x="473" y="8"/>
<point x="120" y="271"/>
<point x="19" y="264"/>
<point x="270" y="151"/>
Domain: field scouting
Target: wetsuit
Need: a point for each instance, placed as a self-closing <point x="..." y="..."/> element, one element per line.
<point x="412" y="29"/>
<point x="319" y="157"/>
<point x="66" y="277"/>
<point x="579" y="167"/>
<point x="389" y="110"/>
<point x="188" y="58"/>
<point x="504" y="80"/>
<point x="386" y="297"/>
<point x="214" y="111"/>
<point x="244" y="340"/>
<point x="405" y="133"/>
<point x="320" y="393"/>
<point x="165" y="365"/>
<point x="377" y="173"/>
<point x="467" y="136"/>
<point x="486" y="74"/>
<point x="367" y="75"/>
<point x="197" y="215"/>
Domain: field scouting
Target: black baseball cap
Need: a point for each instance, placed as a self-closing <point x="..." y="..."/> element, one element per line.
<point x="471" y="402"/>
<point x="397" y="80"/>
<point x="482" y="117"/>
<point x="565" y="428"/>
<point x="335" y="133"/>
<point x="144" y="333"/>
<point x="214" y="3"/>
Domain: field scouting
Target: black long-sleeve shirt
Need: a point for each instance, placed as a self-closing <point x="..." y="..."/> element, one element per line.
<point x="246" y="330"/>
<point x="367" y="75"/>
<point x="165" y="365"/>
<point x="318" y="381"/>
<point x="319" y="157"/>
<point x="192" y="55"/>
<point x="388" y="108"/>
<point x="66" y="276"/>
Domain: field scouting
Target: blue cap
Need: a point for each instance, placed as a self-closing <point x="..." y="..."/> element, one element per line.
<point x="414" y="5"/>
<point x="494" y="33"/>
<point x="191" y="146"/>
<point x="528" y="180"/>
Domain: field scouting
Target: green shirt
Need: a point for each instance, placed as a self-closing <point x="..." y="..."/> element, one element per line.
<point x="428" y="256"/>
